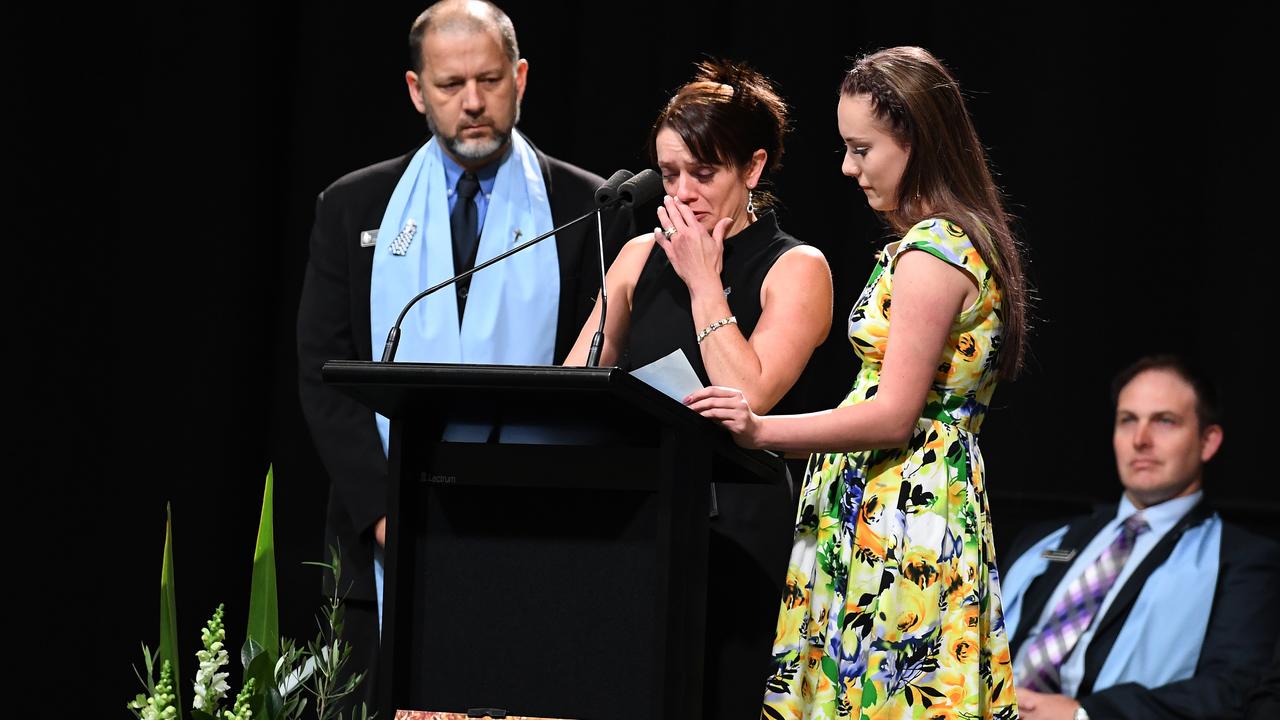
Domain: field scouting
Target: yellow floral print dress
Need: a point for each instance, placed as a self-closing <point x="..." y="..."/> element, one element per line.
<point x="892" y="608"/>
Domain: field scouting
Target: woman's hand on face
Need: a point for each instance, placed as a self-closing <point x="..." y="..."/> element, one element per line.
<point x="696" y="256"/>
<point x="728" y="407"/>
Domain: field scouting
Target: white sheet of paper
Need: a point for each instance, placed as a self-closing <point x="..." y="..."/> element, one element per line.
<point x="672" y="376"/>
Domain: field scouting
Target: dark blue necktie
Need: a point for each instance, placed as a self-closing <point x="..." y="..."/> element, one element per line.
<point x="464" y="222"/>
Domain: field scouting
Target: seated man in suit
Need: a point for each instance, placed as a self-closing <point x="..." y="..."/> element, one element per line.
<point x="385" y="232"/>
<point x="1154" y="608"/>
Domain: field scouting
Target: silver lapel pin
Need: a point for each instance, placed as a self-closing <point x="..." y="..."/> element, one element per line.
<point x="1060" y="555"/>
<point x="400" y="245"/>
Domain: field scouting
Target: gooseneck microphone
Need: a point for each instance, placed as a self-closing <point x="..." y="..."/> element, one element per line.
<point x="640" y="189"/>
<point x="606" y="195"/>
<point x="622" y="189"/>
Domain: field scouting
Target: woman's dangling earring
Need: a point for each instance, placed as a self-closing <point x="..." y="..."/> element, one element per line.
<point x="751" y="204"/>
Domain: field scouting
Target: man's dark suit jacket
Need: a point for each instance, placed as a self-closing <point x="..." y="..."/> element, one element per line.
<point x="1238" y="642"/>
<point x="333" y="324"/>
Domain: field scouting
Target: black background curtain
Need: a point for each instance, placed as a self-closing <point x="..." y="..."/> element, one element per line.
<point x="169" y="158"/>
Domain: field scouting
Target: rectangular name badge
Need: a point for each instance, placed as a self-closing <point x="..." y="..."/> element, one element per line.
<point x="369" y="238"/>
<point x="1059" y="555"/>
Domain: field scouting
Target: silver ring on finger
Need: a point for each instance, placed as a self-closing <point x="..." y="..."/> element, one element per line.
<point x="668" y="232"/>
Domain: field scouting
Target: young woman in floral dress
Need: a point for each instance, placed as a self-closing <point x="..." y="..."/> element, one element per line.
<point x="893" y="602"/>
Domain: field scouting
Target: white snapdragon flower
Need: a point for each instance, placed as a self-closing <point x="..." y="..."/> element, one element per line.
<point x="211" y="681"/>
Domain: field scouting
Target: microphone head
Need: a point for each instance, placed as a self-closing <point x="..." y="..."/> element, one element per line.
<point x="641" y="188"/>
<point x="607" y="194"/>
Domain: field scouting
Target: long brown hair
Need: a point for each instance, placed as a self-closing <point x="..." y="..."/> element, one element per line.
<point x="947" y="174"/>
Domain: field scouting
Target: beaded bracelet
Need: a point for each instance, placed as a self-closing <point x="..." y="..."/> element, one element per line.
<point x="731" y="320"/>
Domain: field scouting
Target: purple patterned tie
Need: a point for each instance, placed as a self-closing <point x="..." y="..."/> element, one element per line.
<point x="1072" y="615"/>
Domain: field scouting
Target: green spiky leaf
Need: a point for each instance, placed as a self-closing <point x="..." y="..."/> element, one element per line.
<point x="263" y="635"/>
<point x="168" y="649"/>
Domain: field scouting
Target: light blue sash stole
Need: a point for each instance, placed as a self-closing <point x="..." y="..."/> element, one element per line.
<point x="511" y="307"/>
<point x="1161" y="638"/>
<point x="1028" y="567"/>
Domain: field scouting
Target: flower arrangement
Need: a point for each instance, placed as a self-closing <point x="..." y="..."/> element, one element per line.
<point x="281" y="678"/>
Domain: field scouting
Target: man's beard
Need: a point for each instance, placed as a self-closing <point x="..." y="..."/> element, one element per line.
<point x="478" y="150"/>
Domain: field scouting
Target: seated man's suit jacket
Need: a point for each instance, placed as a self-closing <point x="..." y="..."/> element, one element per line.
<point x="1238" y="643"/>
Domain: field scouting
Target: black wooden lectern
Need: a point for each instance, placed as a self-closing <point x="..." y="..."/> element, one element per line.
<point x="546" y="539"/>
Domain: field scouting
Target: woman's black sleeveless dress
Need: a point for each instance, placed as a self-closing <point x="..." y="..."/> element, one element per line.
<point x="751" y="532"/>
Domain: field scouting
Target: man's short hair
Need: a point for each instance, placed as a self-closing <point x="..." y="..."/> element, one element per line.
<point x="470" y="15"/>
<point x="1208" y="410"/>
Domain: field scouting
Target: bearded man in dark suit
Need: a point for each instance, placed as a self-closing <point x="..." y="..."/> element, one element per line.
<point x="385" y="232"/>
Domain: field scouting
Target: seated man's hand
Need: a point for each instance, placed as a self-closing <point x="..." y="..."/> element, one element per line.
<point x="1034" y="705"/>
